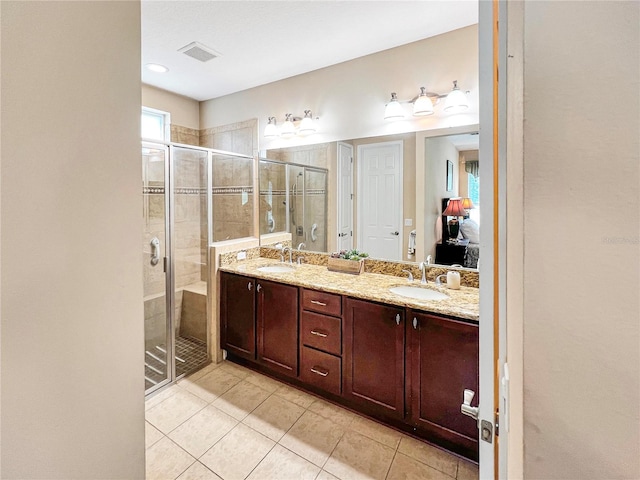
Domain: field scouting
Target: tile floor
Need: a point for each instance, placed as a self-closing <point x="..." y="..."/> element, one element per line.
<point x="228" y="422"/>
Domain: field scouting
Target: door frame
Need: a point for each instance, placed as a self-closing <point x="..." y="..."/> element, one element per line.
<point x="339" y="195"/>
<point x="360" y="189"/>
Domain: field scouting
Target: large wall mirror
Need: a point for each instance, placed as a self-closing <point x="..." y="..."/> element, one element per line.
<point x="383" y="195"/>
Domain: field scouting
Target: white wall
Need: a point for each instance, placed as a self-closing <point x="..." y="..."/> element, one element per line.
<point x="581" y="240"/>
<point x="350" y="97"/>
<point x="184" y="111"/>
<point x="71" y="278"/>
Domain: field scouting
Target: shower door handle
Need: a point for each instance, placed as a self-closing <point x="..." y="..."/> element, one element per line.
<point x="155" y="250"/>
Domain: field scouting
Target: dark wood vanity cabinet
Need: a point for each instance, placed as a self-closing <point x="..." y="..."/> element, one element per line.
<point x="277" y="324"/>
<point x="402" y="366"/>
<point x="321" y="340"/>
<point x="374" y="357"/>
<point x="238" y="315"/>
<point x="259" y="321"/>
<point x="444" y="362"/>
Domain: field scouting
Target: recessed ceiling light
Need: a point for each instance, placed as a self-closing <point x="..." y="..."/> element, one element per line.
<point x="154" y="67"/>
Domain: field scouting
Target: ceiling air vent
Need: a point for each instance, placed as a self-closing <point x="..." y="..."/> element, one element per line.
<point x="199" y="52"/>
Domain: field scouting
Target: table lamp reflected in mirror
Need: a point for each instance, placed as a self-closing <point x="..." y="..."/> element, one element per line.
<point x="454" y="209"/>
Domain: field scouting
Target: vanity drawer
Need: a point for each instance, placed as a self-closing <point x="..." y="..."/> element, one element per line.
<point x="321" y="332"/>
<point x="321" y="370"/>
<point x="322" y="302"/>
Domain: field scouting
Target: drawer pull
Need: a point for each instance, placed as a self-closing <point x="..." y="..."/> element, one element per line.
<point x="315" y="302"/>
<point x="319" y="372"/>
<point x="319" y="334"/>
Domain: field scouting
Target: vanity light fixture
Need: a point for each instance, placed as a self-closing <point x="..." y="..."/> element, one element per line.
<point x="456" y="100"/>
<point x="307" y="127"/>
<point x="288" y="129"/>
<point x="422" y="105"/>
<point x="270" y="130"/>
<point x="393" y="110"/>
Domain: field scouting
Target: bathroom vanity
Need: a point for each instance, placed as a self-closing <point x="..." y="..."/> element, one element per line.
<point x="402" y="361"/>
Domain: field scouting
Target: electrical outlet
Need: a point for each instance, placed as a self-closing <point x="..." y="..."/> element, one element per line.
<point x="242" y="255"/>
<point x="408" y="222"/>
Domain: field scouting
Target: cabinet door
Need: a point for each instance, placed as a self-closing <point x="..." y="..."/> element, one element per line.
<point x="237" y="315"/>
<point x="278" y="326"/>
<point x="444" y="362"/>
<point x="373" y="364"/>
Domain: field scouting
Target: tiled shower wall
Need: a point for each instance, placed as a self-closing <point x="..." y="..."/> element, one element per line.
<point x="273" y="202"/>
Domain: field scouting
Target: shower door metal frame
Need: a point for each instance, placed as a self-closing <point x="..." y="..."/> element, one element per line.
<point x="167" y="266"/>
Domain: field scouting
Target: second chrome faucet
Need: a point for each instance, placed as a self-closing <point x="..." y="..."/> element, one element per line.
<point x="423" y="267"/>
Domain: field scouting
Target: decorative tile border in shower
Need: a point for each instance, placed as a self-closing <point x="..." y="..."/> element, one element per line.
<point x="176" y="191"/>
<point x="231" y="190"/>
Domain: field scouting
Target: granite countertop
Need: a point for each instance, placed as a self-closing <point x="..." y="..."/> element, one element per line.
<point x="463" y="303"/>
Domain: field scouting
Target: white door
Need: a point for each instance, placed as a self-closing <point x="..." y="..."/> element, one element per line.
<point x="380" y="199"/>
<point x="345" y="196"/>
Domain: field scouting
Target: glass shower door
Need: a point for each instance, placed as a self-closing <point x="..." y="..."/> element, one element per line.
<point x="190" y="242"/>
<point x="155" y="246"/>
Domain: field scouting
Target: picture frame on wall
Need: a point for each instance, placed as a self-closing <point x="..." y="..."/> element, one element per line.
<point x="449" y="176"/>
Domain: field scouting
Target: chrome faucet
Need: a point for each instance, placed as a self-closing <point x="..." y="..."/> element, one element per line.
<point x="409" y="275"/>
<point x="285" y="249"/>
<point x="301" y="246"/>
<point x="424" y="266"/>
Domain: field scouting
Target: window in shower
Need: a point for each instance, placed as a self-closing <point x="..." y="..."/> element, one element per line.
<point x="155" y="125"/>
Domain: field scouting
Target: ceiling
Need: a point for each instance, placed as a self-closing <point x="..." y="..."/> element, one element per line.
<point x="264" y="41"/>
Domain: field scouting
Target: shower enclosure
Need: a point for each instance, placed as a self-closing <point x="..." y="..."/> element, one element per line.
<point x="179" y="198"/>
<point x="293" y="198"/>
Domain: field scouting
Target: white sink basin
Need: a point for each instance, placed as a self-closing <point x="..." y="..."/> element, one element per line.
<point x="418" y="293"/>
<point x="276" y="269"/>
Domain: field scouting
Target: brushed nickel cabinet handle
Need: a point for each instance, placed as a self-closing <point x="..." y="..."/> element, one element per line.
<point x="397" y="319"/>
<point x="415" y="323"/>
<point x="319" y="372"/>
<point x="259" y="287"/>
<point x="319" y="334"/>
<point x="249" y="285"/>
<point x="315" y="302"/>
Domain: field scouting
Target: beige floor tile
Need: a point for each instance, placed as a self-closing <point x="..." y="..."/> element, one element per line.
<point x="336" y="414"/>
<point x="358" y="457"/>
<point x="467" y="470"/>
<point x="202" y="372"/>
<point x="264" y="382"/>
<point x="429" y="455"/>
<point x="161" y="396"/>
<point x="237" y="453"/>
<point x="235" y="369"/>
<point x="151" y="435"/>
<point x="174" y="410"/>
<point x="406" y="468"/>
<point x="313" y="437"/>
<point x="241" y="400"/>
<point x="212" y="385"/>
<point x="376" y="431"/>
<point x="323" y="475"/>
<point x="274" y="417"/>
<point x="295" y="396"/>
<point x="166" y="460"/>
<point x="197" y="471"/>
<point x="203" y="430"/>
<point x="281" y="464"/>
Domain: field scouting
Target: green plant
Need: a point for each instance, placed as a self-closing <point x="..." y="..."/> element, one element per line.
<point x="350" y="255"/>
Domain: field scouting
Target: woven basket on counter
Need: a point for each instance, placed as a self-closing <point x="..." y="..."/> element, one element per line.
<point x="354" y="267"/>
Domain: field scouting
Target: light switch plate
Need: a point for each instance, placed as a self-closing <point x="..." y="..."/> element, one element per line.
<point x="408" y="222"/>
